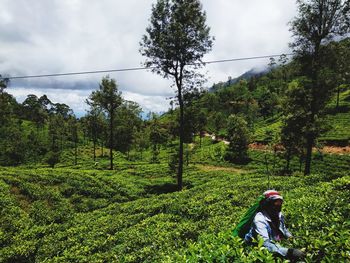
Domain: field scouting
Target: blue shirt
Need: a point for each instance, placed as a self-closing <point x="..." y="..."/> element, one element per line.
<point x="261" y="226"/>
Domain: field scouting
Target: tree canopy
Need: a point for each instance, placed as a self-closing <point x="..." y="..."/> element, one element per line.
<point x="174" y="45"/>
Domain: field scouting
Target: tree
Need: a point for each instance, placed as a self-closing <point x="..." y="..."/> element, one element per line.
<point x="61" y="109"/>
<point x="267" y="101"/>
<point x="55" y="130"/>
<point x="34" y="111"/>
<point x="94" y="120"/>
<point x="12" y="142"/>
<point x="317" y="22"/>
<point x="338" y="56"/>
<point x="128" y="116"/>
<point x="52" y="158"/>
<point x="157" y="137"/>
<point x="35" y="147"/>
<point x="218" y="121"/>
<point x="6" y="102"/>
<point x="238" y="136"/>
<point x="175" y="43"/>
<point x="202" y="122"/>
<point x="109" y="98"/>
<point x="141" y="141"/>
<point x="74" y="136"/>
<point x="296" y="105"/>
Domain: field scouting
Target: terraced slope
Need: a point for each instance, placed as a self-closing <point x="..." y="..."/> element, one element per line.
<point x="134" y="214"/>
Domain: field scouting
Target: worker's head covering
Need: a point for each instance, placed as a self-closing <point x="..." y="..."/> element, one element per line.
<point x="271" y="195"/>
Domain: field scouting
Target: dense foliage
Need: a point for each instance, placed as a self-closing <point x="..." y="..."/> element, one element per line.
<point x="59" y="203"/>
<point x="135" y="214"/>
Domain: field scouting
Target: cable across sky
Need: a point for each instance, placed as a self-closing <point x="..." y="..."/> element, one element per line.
<point x="133" y="69"/>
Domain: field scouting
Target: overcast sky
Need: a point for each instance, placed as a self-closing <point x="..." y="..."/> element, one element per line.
<point x="57" y="36"/>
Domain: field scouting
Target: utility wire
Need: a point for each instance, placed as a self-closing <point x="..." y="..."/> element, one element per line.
<point x="133" y="69"/>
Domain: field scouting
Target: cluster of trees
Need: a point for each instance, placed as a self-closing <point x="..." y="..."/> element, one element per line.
<point x="286" y="92"/>
<point x="111" y="120"/>
<point x="299" y="90"/>
<point x="34" y="129"/>
<point x="174" y="44"/>
<point x="38" y="130"/>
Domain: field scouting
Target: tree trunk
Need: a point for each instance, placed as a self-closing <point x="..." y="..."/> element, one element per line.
<point x="288" y="159"/>
<point x="111" y="140"/>
<point x="310" y="138"/>
<point x="75" y="151"/>
<point x="187" y="155"/>
<point x="61" y="142"/>
<point x="102" y="145"/>
<point x="181" y="148"/>
<point x="94" y="149"/>
<point x="338" y="94"/>
<point x="309" y="144"/>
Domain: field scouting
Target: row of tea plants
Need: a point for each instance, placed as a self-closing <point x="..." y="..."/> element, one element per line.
<point x="134" y="214"/>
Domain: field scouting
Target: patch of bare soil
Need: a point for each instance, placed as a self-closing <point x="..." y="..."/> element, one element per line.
<point x="325" y="149"/>
<point x="264" y="147"/>
<point x="336" y="150"/>
<point x="220" y="168"/>
<point x="258" y="146"/>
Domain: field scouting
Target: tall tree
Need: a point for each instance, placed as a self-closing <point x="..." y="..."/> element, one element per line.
<point x="296" y="105"/>
<point x="33" y="110"/>
<point x="56" y="127"/>
<point x="317" y="22"/>
<point x="129" y="121"/>
<point x="94" y="121"/>
<point x="175" y="43"/>
<point x="141" y="140"/>
<point x="12" y="145"/>
<point x="109" y="98"/>
<point x="238" y="136"/>
<point x="61" y="109"/>
<point x="339" y="57"/>
<point x="74" y="136"/>
<point x="6" y="102"/>
<point x="157" y="137"/>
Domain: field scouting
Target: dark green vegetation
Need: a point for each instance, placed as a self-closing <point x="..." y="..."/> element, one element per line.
<point x="59" y="203"/>
<point x="317" y="22"/>
<point x="135" y="214"/>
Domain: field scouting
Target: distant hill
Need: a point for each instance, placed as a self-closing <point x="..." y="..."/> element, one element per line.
<point x="254" y="72"/>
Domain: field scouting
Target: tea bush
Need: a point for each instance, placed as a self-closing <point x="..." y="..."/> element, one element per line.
<point x="134" y="214"/>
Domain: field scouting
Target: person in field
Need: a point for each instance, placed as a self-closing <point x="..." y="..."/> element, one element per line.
<point x="265" y="219"/>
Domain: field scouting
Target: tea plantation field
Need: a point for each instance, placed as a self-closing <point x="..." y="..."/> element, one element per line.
<point x="134" y="214"/>
<point x="336" y="123"/>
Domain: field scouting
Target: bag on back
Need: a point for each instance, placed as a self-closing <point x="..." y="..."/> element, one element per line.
<point x="246" y="221"/>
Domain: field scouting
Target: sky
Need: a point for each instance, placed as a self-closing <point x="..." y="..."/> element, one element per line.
<point x="58" y="36"/>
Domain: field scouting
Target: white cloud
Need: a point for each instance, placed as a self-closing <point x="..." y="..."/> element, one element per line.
<point x="41" y="37"/>
<point x="74" y="98"/>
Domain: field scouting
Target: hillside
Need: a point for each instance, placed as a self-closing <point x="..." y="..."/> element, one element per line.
<point x="253" y="73"/>
<point x="116" y="186"/>
<point x="134" y="214"/>
<point x="336" y="122"/>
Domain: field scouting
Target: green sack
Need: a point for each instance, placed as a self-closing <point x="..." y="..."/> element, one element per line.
<point x="246" y="221"/>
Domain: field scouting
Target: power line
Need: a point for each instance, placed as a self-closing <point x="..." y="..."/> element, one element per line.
<point x="247" y="58"/>
<point x="133" y="69"/>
